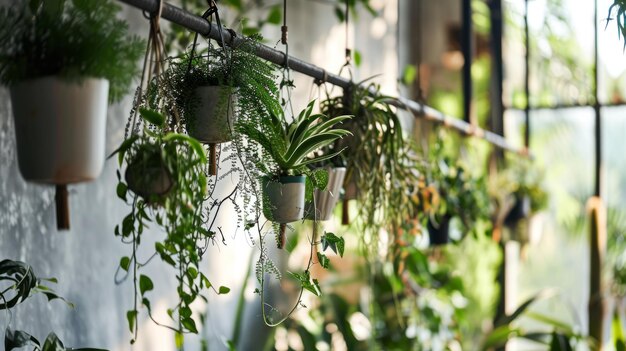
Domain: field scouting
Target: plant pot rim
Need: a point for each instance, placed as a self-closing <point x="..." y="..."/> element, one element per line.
<point x="285" y="179"/>
<point x="59" y="77"/>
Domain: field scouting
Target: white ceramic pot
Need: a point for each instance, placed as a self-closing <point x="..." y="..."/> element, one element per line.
<point x="213" y="116"/>
<point x="326" y="200"/>
<point x="60" y="128"/>
<point x="283" y="201"/>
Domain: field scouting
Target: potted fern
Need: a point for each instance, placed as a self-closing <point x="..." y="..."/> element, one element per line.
<point x="63" y="62"/>
<point x="213" y="87"/>
<point x="287" y="145"/>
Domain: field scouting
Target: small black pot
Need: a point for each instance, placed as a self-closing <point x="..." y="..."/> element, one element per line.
<point x="439" y="233"/>
<point x="520" y="210"/>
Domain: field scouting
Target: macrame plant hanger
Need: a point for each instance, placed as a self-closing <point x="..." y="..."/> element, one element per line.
<point x="207" y="15"/>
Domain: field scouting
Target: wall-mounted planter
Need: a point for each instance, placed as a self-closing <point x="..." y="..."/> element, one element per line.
<point x="283" y="201"/>
<point x="60" y="128"/>
<point x="439" y="233"/>
<point x="213" y="118"/>
<point x="326" y="200"/>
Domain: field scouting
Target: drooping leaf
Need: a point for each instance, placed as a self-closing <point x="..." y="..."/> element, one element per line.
<point x="152" y="116"/>
<point x="15" y="339"/>
<point x="323" y="260"/>
<point x="131" y="317"/>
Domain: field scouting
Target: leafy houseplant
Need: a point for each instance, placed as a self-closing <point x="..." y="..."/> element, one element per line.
<point x="18" y="282"/>
<point x="166" y="172"/>
<point x="529" y="195"/>
<point x="71" y="57"/>
<point x="462" y="196"/>
<point x="214" y="86"/>
<point x="381" y="163"/>
<point x="287" y="146"/>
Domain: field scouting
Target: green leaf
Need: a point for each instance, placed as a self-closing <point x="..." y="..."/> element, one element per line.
<point x="323" y="260"/>
<point x="125" y="263"/>
<point x="409" y="74"/>
<point x="357" y="58"/>
<point x="121" y="190"/>
<point x="131" y="316"/>
<point x="336" y="243"/>
<point x="145" y="284"/>
<point x="121" y="150"/>
<point x="223" y="290"/>
<point x="53" y="343"/>
<point x="339" y="14"/>
<point x="15" y="339"/>
<point x="190" y="325"/>
<point x="152" y="116"/>
<point x="195" y="145"/>
<point x="274" y="16"/>
<point x="179" y="340"/>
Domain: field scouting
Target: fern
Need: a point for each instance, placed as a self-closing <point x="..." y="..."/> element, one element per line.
<point x="71" y="39"/>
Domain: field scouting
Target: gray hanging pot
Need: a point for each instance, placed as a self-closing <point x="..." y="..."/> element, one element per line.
<point x="283" y="200"/>
<point x="326" y="200"/>
<point x="213" y="116"/>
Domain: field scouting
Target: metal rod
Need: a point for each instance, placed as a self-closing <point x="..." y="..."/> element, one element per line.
<point x="200" y="25"/>
<point x="467" y="46"/>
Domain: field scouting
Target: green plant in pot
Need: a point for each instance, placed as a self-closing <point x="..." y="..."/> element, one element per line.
<point x="373" y="149"/>
<point x="287" y="147"/>
<point x="529" y="195"/>
<point x="462" y="196"/>
<point x="165" y="173"/>
<point x="71" y="57"/>
<point x="213" y="87"/>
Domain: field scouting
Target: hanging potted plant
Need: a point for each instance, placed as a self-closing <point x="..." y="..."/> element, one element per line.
<point x="374" y="147"/>
<point x="165" y="173"/>
<point x="528" y="194"/>
<point x="213" y="87"/>
<point x="64" y="61"/>
<point x="286" y="146"/>
<point x="462" y="196"/>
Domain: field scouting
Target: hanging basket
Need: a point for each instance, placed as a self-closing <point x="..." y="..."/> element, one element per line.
<point x="213" y="116"/>
<point x="326" y="200"/>
<point x="283" y="200"/>
<point x="60" y="128"/>
<point x="439" y="233"/>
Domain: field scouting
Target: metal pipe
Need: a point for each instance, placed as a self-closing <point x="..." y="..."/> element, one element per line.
<point x="200" y="25"/>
